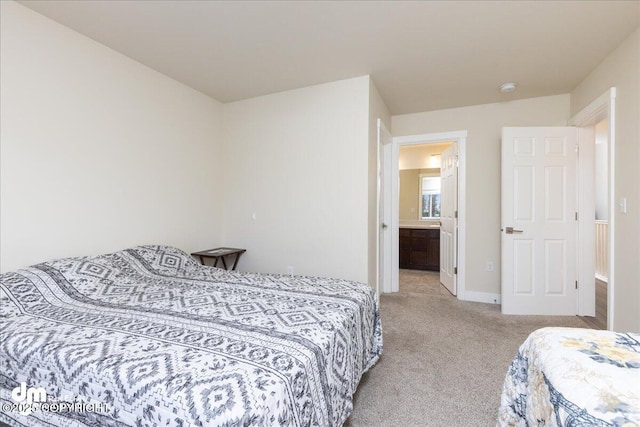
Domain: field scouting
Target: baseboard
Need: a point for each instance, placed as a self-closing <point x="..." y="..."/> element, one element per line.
<point x="485" y="297"/>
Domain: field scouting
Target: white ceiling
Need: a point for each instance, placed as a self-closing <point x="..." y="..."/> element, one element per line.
<point x="422" y="55"/>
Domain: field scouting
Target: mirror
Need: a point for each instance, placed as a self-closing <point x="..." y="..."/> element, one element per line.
<point x="429" y="197"/>
<point x="419" y="196"/>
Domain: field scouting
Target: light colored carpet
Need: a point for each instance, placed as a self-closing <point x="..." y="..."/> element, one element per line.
<point x="444" y="360"/>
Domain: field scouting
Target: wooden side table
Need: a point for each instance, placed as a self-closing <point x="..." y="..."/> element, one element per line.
<point x="220" y="254"/>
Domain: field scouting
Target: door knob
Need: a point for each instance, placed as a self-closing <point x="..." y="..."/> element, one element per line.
<point x="511" y="230"/>
<point x="384" y="226"/>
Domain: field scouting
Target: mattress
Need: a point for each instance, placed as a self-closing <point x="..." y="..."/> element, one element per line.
<point x="148" y="337"/>
<point x="573" y="377"/>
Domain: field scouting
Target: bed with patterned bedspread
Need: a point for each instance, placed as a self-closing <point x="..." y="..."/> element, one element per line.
<point x="573" y="377"/>
<point x="151" y="338"/>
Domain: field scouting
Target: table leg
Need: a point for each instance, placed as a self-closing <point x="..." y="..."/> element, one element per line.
<point x="235" y="263"/>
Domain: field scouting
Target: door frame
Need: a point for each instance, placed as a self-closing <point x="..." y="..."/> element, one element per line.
<point x="602" y="108"/>
<point x="391" y="201"/>
<point x="383" y="244"/>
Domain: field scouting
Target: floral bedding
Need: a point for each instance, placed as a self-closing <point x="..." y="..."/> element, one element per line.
<point x="151" y="338"/>
<point x="573" y="377"/>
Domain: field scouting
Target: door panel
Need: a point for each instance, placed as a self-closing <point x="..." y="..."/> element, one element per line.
<point x="523" y="261"/>
<point x="523" y="188"/>
<point x="539" y="228"/>
<point x="555" y="252"/>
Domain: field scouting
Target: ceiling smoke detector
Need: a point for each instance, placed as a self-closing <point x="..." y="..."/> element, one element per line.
<point x="507" y="87"/>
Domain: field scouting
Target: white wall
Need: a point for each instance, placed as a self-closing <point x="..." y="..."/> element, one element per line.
<point x="409" y="195"/>
<point x="484" y="125"/>
<point x="622" y="70"/>
<point x="299" y="161"/>
<point x="98" y="152"/>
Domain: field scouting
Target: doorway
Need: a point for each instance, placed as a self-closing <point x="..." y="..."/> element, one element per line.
<point x="596" y="132"/>
<point x="392" y="205"/>
<point x="596" y="137"/>
<point x="601" y="247"/>
<point x="584" y="130"/>
<point x="425" y="202"/>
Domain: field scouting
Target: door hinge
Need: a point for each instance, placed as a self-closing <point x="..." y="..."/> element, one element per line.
<point x="455" y="270"/>
<point x="576" y="284"/>
<point x="455" y="214"/>
<point x="577" y="149"/>
<point x="576" y="216"/>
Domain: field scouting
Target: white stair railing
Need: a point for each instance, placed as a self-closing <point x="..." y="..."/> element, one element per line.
<point x="602" y="250"/>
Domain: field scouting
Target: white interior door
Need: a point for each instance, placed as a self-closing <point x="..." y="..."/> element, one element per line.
<point x="539" y="224"/>
<point x="384" y="210"/>
<point x="448" y="217"/>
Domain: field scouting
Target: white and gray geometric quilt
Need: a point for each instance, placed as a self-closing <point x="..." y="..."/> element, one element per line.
<point x="163" y="341"/>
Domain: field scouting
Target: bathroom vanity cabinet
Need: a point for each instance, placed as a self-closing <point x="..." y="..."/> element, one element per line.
<point x="420" y="248"/>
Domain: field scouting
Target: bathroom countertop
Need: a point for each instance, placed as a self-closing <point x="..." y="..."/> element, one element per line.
<point x="429" y="225"/>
